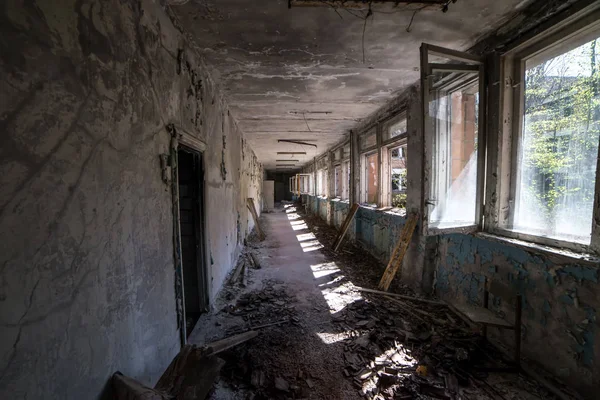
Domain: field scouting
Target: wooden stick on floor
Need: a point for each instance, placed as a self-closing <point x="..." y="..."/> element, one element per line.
<point x="252" y="209"/>
<point x="398" y="255"/>
<point x="345" y="226"/>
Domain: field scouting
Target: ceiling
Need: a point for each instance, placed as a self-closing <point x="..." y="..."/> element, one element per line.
<point x="298" y="73"/>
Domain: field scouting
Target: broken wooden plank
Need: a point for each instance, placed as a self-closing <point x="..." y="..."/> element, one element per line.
<point x="227" y="343"/>
<point x="398" y="255"/>
<point x="400" y="296"/>
<point x="252" y="208"/>
<point x="271" y="324"/>
<point x="238" y="271"/>
<point x="126" y="388"/>
<point x="256" y="261"/>
<point x="190" y="375"/>
<point x="340" y="238"/>
<point x="480" y="315"/>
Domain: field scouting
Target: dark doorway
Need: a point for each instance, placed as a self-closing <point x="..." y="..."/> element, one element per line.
<point x="191" y="195"/>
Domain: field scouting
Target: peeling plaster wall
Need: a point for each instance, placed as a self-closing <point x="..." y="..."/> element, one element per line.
<point x="376" y="231"/>
<point x="560" y="299"/>
<point x="86" y="256"/>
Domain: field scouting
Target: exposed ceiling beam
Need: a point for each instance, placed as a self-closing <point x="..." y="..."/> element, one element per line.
<point x="368" y="4"/>
<point x="296" y="142"/>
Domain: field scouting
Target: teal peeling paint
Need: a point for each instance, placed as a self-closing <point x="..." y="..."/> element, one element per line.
<point x="581" y="273"/>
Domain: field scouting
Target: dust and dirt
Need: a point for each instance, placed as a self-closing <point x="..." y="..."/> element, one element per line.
<point x="320" y="337"/>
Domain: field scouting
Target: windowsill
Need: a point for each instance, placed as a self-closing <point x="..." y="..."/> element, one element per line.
<point x="369" y="206"/>
<point x="397" y="211"/>
<point x="540" y="248"/>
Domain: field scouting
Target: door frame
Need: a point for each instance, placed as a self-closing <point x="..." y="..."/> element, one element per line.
<point x="182" y="140"/>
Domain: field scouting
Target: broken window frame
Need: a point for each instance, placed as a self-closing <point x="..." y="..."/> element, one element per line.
<point x="362" y="138"/>
<point x="346" y="180"/>
<point x="386" y="147"/>
<point x="337" y="189"/>
<point x="364" y="178"/>
<point x="300" y="184"/>
<point x="322" y="183"/>
<point x="386" y="136"/>
<point x="462" y="64"/>
<point x="386" y="171"/>
<point x="503" y="176"/>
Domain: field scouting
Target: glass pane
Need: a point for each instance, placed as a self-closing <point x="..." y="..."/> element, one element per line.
<point x="559" y="146"/>
<point x="454" y="180"/>
<point x="338" y="181"/>
<point x="346" y="152"/>
<point x="346" y="194"/>
<point x="372" y="162"/>
<point x="398" y="176"/>
<point x="368" y="140"/>
<point x="396" y="128"/>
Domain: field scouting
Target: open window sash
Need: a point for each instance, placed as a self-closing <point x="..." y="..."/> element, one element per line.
<point x="453" y="94"/>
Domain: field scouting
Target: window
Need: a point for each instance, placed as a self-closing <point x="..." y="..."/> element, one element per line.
<point x="346" y="180"/>
<point x="453" y="117"/>
<point x="337" y="171"/>
<point x="322" y="182"/>
<point x="397" y="176"/>
<point x="300" y="184"/>
<point x="346" y="152"/>
<point x="371" y="178"/>
<point x="555" y="154"/>
<point x="395" y="127"/>
<point x="304" y="183"/>
<point x="368" y="140"/>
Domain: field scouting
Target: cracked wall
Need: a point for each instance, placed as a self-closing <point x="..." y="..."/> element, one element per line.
<point x="87" y="270"/>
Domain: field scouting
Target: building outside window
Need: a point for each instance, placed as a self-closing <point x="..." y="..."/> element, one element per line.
<point x="398" y="175"/>
<point x="371" y="181"/>
<point x="455" y="155"/>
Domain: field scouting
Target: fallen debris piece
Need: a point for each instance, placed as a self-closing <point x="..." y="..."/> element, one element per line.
<point x="227" y="343"/>
<point x="258" y="378"/>
<point x="282" y="384"/>
<point x="400" y="296"/>
<point x="271" y="324"/>
<point x="252" y="208"/>
<point x="241" y="265"/>
<point x="345" y="226"/>
<point x="126" y="388"/>
<point x="255" y="261"/>
<point x="398" y="255"/>
<point x="190" y="375"/>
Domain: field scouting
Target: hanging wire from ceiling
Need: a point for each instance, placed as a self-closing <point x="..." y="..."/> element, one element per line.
<point x="371" y="13"/>
<point x="305" y="121"/>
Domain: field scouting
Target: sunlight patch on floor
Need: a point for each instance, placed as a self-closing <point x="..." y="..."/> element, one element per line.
<point x="300" y="227"/>
<point x="324" y="269"/>
<point x="305" y="236"/>
<point x="329" y="337"/>
<point x="311" y="245"/>
<point x="339" y="297"/>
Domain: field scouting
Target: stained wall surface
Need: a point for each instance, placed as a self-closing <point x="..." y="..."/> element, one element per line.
<point x="560" y="301"/>
<point x="86" y="256"/>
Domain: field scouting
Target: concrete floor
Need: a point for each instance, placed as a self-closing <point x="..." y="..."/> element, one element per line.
<point x="291" y="261"/>
<point x="317" y="293"/>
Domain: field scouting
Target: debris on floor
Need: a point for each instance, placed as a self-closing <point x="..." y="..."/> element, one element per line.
<point x="328" y="335"/>
<point x="190" y="376"/>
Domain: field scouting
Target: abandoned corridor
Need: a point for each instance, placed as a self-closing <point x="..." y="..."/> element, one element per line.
<point x="454" y="145"/>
